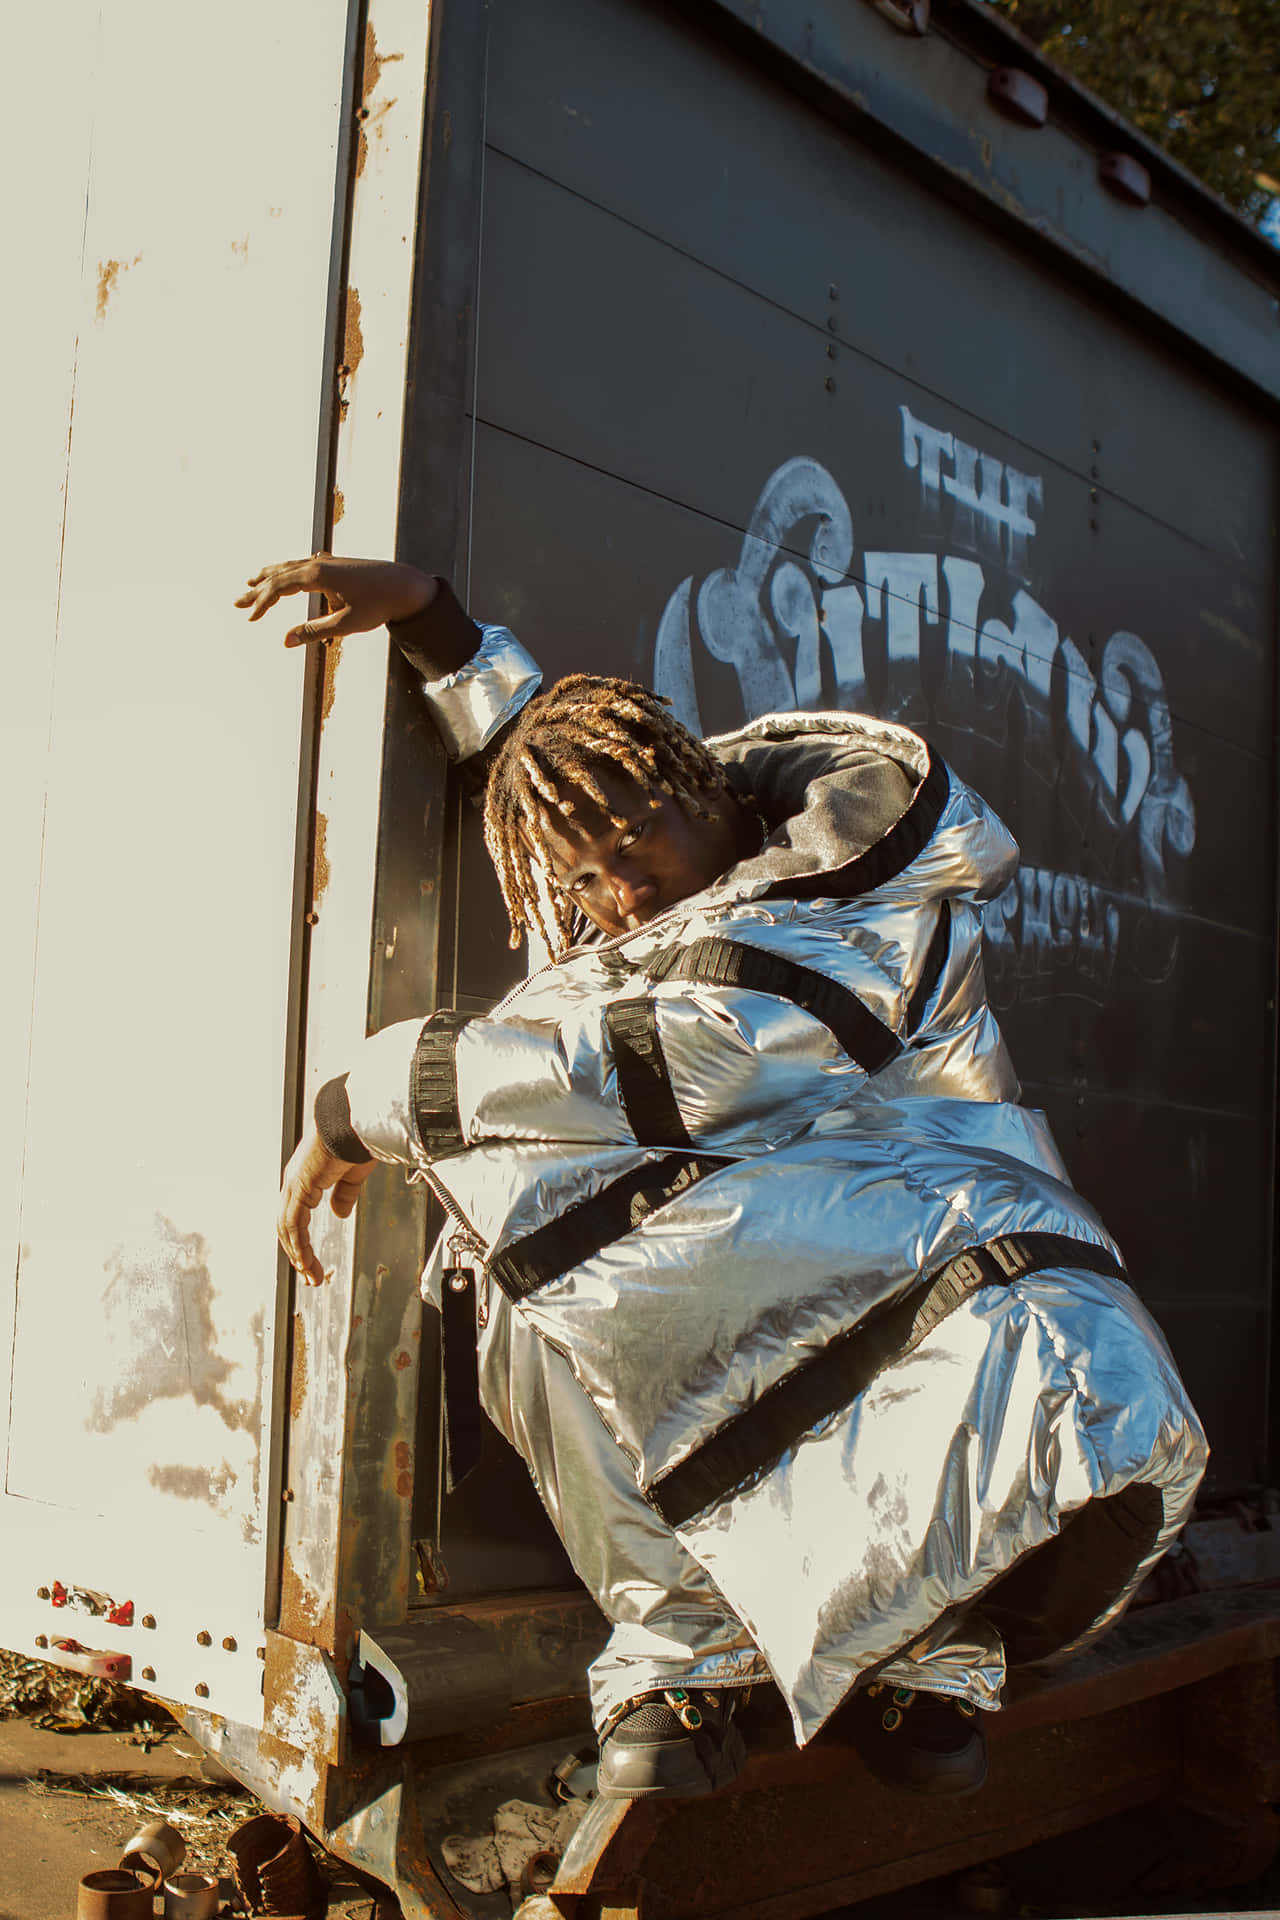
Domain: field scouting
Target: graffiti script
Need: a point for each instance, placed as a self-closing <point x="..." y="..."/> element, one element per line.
<point x="928" y="636"/>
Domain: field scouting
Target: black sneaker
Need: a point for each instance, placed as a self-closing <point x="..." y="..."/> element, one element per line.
<point x="678" y="1743"/>
<point x="919" y="1742"/>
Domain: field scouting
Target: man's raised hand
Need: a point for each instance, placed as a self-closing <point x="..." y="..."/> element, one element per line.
<point x="360" y="594"/>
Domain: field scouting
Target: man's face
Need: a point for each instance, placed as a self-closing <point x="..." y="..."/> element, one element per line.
<point x="623" y="876"/>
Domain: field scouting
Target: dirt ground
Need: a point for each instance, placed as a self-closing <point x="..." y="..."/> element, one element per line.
<point x="72" y="1798"/>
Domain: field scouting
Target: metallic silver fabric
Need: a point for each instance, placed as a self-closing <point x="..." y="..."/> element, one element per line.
<point x="872" y="1536"/>
<point x="474" y="704"/>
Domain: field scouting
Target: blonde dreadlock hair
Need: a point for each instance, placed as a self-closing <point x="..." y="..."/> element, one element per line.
<point x="584" y="724"/>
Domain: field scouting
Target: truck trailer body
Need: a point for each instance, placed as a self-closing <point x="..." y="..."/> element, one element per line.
<point x="846" y="356"/>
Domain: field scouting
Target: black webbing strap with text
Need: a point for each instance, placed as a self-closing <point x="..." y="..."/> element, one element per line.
<point x="644" y="1084"/>
<point x="433" y="1084"/>
<point x="757" y="1437"/>
<point x="584" y="1230"/>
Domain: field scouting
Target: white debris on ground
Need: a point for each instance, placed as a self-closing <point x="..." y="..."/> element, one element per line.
<point x="490" y="1861"/>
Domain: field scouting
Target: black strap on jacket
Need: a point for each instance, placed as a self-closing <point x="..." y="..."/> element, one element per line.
<point x="644" y="1083"/>
<point x="732" y="963"/>
<point x="460" y="1363"/>
<point x="433" y="1084"/>
<point x="584" y="1230"/>
<point x="753" y="1440"/>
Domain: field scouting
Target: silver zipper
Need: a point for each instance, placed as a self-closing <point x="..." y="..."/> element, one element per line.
<point x="463" y="1241"/>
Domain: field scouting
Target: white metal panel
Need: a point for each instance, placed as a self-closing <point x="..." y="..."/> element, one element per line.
<point x="175" y="248"/>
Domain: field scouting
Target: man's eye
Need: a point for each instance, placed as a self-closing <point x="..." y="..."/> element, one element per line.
<point x="629" y="835"/>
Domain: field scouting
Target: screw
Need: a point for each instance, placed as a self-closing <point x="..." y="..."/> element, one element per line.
<point x="229" y="1644"/>
<point x="202" y="1692"/>
<point x="148" y="1620"/>
<point x="42" y="1593"/>
<point x="204" y="1639"/>
<point x="148" y="1673"/>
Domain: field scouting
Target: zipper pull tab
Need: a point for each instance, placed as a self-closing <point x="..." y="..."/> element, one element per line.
<point x="461" y="1274"/>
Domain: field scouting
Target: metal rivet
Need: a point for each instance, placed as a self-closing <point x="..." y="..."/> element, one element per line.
<point x="1093" y="526"/>
<point x="313" y="919"/>
<point x="202" y="1692"/>
<point x="832" y="323"/>
<point x="42" y="1593"/>
<point x="204" y="1639"/>
<point x="229" y="1644"/>
<point x="148" y="1620"/>
<point x="148" y="1673"/>
<point x="42" y="1639"/>
<point x="833" y="293"/>
<point x="262" y="1653"/>
<point x="287" y="1494"/>
<point x="831" y="349"/>
<point x="1018" y="96"/>
<point x="831" y="385"/>
<point x="1126" y="177"/>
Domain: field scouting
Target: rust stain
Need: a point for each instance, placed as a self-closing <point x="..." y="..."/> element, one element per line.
<point x="109" y="272"/>
<point x="339" y="505"/>
<point x="352" y="337"/>
<point x="332" y="655"/>
<point x="241" y="248"/>
<point x="362" y="150"/>
<point x="374" y="62"/>
<point x="404" y="1485"/>
<point x="298" y="1375"/>
<point x="403" y="1360"/>
<point x="320" y="868"/>
<point x="403" y="1456"/>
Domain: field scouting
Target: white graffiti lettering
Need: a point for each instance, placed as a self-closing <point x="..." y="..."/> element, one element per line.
<point x="992" y="501"/>
<point x="1046" y="924"/>
<point x="919" y="635"/>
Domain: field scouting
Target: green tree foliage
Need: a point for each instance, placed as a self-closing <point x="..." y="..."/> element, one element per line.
<point x="1199" y="77"/>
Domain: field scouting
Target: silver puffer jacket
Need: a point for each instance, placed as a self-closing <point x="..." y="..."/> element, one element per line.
<point x="791" y="1309"/>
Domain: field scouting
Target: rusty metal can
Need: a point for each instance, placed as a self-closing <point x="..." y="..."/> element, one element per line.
<point x="116" y="1893"/>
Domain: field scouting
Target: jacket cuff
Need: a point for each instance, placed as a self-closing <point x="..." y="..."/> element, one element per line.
<point x="333" y="1123"/>
<point x="440" y="639"/>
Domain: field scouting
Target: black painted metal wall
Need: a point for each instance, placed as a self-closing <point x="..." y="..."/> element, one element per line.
<point x="761" y="417"/>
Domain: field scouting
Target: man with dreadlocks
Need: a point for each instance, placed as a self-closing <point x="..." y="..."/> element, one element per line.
<point x="823" y="1371"/>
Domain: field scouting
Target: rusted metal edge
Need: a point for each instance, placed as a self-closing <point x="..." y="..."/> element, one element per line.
<point x="1162" y="1649"/>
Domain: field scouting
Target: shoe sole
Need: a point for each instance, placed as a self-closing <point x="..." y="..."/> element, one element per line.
<point x="667" y="1769"/>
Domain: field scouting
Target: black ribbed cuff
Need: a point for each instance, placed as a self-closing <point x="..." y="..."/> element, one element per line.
<point x="333" y="1123"/>
<point x="440" y="639"/>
